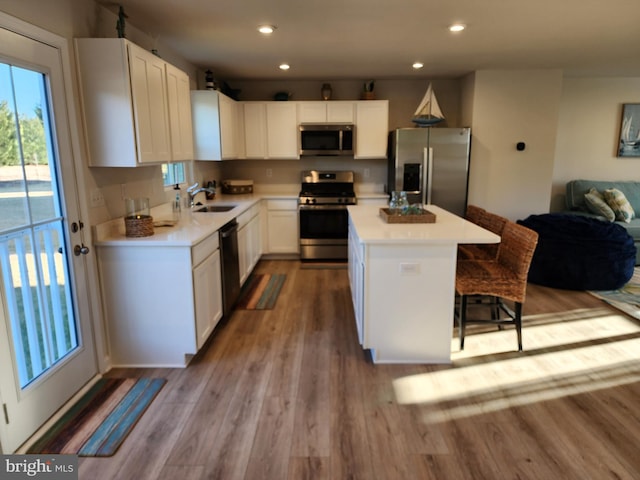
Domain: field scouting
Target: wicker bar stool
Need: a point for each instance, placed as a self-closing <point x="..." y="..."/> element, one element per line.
<point x="485" y="219"/>
<point x="504" y="278"/>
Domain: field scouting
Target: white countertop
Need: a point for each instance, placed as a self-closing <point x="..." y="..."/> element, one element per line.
<point x="448" y="228"/>
<point x="192" y="227"/>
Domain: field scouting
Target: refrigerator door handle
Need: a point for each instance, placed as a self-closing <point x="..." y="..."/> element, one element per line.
<point x="428" y="160"/>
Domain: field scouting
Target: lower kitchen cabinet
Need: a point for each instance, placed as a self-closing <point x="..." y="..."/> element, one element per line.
<point x="207" y="290"/>
<point x="356" y="279"/>
<point x="282" y="226"/>
<point x="249" y="241"/>
<point x="160" y="303"/>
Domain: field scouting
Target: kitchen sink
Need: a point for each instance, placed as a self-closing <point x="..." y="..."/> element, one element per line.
<point x="216" y="208"/>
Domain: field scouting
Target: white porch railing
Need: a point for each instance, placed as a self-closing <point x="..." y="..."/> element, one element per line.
<point x="39" y="304"/>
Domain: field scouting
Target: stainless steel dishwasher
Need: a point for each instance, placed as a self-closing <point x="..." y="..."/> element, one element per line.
<point x="230" y="265"/>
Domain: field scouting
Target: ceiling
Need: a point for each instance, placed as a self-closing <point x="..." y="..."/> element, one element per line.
<point x="366" y="39"/>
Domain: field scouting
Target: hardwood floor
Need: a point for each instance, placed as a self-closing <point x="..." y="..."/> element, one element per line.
<point x="289" y="394"/>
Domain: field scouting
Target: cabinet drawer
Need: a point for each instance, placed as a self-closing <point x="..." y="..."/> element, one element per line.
<point x="282" y="204"/>
<point x="203" y="249"/>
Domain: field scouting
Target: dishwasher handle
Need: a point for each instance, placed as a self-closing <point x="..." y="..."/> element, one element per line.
<point x="229" y="229"/>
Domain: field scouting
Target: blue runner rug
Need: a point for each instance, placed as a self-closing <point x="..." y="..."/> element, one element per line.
<point x="97" y="424"/>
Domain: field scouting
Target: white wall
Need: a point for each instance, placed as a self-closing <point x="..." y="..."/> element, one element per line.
<point x="510" y="107"/>
<point x="588" y="133"/>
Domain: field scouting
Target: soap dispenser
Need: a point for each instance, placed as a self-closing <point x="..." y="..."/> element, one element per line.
<point x="177" y="202"/>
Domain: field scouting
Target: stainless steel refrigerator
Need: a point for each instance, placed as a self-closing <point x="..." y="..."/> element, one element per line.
<point x="431" y="165"/>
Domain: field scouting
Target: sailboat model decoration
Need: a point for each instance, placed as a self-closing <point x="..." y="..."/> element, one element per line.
<point x="428" y="112"/>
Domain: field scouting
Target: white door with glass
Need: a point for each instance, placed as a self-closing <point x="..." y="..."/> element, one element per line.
<point x="46" y="345"/>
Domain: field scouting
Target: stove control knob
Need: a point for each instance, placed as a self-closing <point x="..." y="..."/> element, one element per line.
<point x="313" y="200"/>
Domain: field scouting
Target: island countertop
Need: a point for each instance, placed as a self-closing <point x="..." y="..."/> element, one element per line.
<point x="448" y="228"/>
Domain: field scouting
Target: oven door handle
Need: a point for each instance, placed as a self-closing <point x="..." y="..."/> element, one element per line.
<point x="322" y="207"/>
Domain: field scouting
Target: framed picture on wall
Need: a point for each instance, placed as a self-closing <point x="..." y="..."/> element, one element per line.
<point x="629" y="143"/>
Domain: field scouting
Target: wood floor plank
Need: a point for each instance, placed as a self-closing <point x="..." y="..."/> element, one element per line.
<point x="309" y="468"/>
<point x="271" y="451"/>
<point x="289" y="394"/>
<point x="312" y="407"/>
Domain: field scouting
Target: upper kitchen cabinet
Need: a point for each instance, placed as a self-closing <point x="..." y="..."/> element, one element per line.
<point x="180" y="126"/>
<point x="270" y="130"/>
<point x="372" y="128"/>
<point x="282" y="130"/>
<point x="216" y="125"/>
<point x="326" y="112"/>
<point x="134" y="104"/>
<point x="255" y="129"/>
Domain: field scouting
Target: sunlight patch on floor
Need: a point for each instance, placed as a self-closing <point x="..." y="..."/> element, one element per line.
<point x="563" y="358"/>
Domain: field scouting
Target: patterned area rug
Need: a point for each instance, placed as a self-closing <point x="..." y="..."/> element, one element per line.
<point x="260" y="291"/>
<point x="97" y="424"/>
<point x="627" y="298"/>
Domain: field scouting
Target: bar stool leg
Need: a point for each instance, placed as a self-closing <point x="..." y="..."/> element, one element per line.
<point x="518" y="321"/>
<point x="462" y="318"/>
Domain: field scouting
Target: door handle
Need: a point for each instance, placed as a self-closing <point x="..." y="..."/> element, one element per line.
<point x="80" y="250"/>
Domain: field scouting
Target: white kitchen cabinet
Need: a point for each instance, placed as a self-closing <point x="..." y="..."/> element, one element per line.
<point x="215" y="125"/>
<point x="255" y="129"/>
<point x="356" y="279"/>
<point x="326" y="112"/>
<point x="282" y="226"/>
<point x="282" y="130"/>
<point x="249" y="241"/>
<point x="127" y="108"/>
<point x="179" y="102"/>
<point x="372" y="128"/>
<point x="270" y="130"/>
<point x="160" y="303"/>
<point x="207" y="289"/>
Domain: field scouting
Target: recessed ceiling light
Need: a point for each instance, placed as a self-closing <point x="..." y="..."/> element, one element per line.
<point x="266" y="29"/>
<point x="284" y="66"/>
<point x="457" y="27"/>
<point x="417" y="65"/>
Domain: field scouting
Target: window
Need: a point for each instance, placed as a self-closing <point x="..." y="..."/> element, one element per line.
<point x="172" y="173"/>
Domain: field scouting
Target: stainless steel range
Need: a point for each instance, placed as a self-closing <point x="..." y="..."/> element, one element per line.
<point x="323" y="201"/>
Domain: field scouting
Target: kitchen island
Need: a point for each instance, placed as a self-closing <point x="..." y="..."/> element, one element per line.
<point x="402" y="280"/>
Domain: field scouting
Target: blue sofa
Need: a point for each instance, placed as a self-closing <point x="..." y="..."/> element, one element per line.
<point x="575" y="203"/>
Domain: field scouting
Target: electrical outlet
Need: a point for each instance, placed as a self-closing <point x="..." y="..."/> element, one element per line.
<point x="123" y="191"/>
<point x="97" y="200"/>
<point x="269" y="173"/>
<point x="367" y="173"/>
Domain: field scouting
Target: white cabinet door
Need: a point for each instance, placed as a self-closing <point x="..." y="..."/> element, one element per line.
<point x="312" y="112"/>
<point x="249" y="241"/>
<point x="283" y="232"/>
<point x="255" y="129"/>
<point x="340" y="112"/>
<point x="149" y="95"/>
<point x="255" y="240"/>
<point x="326" y="111"/>
<point x="207" y="288"/>
<point x="244" y="253"/>
<point x="372" y="128"/>
<point x="179" y="102"/>
<point x="356" y="281"/>
<point x="228" y="127"/>
<point x="282" y="130"/>
<point x="282" y="226"/>
<point x="215" y="125"/>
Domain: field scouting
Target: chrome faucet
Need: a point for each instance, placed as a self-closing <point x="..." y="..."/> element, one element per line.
<point x="193" y="190"/>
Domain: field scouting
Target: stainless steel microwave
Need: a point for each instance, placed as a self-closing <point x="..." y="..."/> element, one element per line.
<point x="327" y="139"/>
